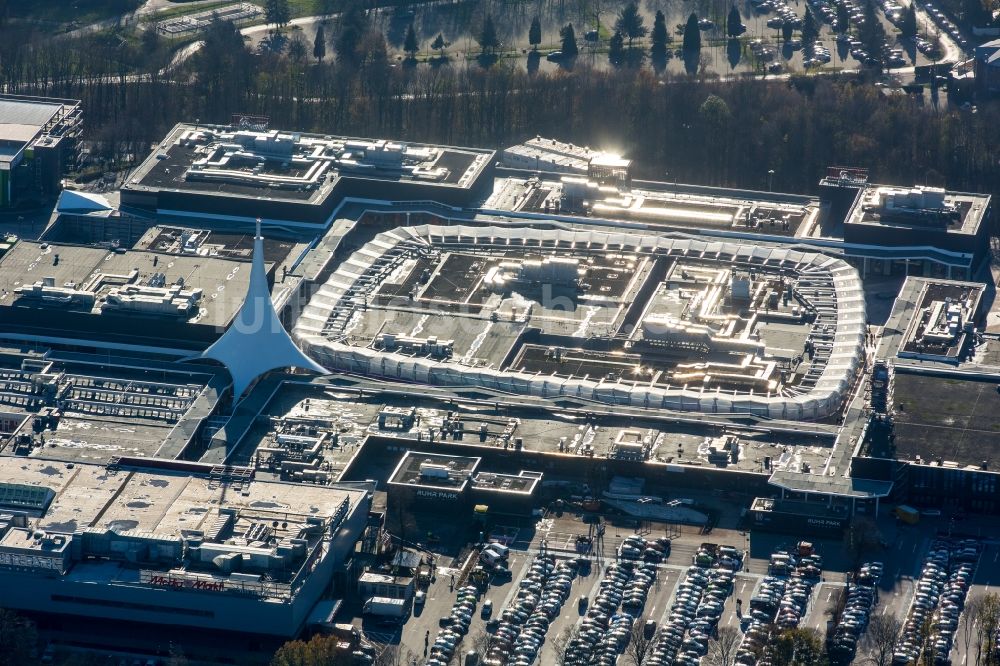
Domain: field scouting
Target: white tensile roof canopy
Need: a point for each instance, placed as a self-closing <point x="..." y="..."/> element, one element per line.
<point x="256" y="342"/>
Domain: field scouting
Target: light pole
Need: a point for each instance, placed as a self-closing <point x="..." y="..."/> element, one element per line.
<point x="770" y="178"/>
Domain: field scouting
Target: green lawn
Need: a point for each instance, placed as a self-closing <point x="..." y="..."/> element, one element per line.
<point x="80" y="12"/>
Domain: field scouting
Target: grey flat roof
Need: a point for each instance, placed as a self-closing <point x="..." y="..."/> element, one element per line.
<point x="460" y="469"/>
<point x="90" y="429"/>
<point x="165" y="501"/>
<point x="896" y="334"/>
<point x="840" y="486"/>
<point x="24" y="112"/>
<point x="678" y="441"/>
<point x="972" y="208"/>
<point x="165" y="169"/>
<point x="223" y="281"/>
<point x="946" y="418"/>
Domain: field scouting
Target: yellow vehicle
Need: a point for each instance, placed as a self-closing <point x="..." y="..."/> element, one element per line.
<point x="907" y="514"/>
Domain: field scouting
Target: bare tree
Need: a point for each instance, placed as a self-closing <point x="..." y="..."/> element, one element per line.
<point x="723" y="648"/>
<point x="838" y="602"/>
<point x="970" y="621"/>
<point x="483" y="644"/>
<point x="394" y="654"/>
<point x="560" y="643"/>
<point x="879" y="640"/>
<point x="988" y="617"/>
<point x="861" y="538"/>
<point x="640" y="646"/>
<point x="928" y="654"/>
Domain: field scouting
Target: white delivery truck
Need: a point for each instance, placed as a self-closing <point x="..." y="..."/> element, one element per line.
<point x="386" y="607"/>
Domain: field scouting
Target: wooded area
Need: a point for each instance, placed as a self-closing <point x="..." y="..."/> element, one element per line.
<point x="700" y="131"/>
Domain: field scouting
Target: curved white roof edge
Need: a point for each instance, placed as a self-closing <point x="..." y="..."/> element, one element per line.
<point x="345" y="289"/>
<point x="256" y="342"/>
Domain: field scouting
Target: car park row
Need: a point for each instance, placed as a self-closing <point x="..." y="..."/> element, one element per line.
<point x="604" y="632"/>
<point x="938" y="601"/>
<point x="783" y="14"/>
<point x="520" y="630"/>
<point x="804" y="573"/>
<point x="757" y="624"/>
<point x="781" y="600"/>
<point x="635" y="547"/>
<point x="454" y="626"/>
<point x="860" y="597"/>
<point x="945" y="24"/>
<point x="697" y="607"/>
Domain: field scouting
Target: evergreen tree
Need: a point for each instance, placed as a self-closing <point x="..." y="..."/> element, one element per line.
<point x="843" y="18"/>
<point x="568" y="35"/>
<point x="660" y="36"/>
<point x="150" y="41"/>
<point x="353" y="26"/>
<point x="809" y="29"/>
<point x="734" y="24"/>
<point x="277" y="12"/>
<point x="439" y="45"/>
<point x="692" y="34"/>
<point x="908" y="26"/>
<point x="319" y="44"/>
<point x="630" y="23"/>
<point x="488" y="40"/>
<point x="787" y="30"/>
<point x="535" y="33"/>
<point x="410" y="43"/>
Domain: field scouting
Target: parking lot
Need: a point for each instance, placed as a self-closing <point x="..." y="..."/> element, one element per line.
<point x="737" y="584"/>
<point x="422" y="628"/>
